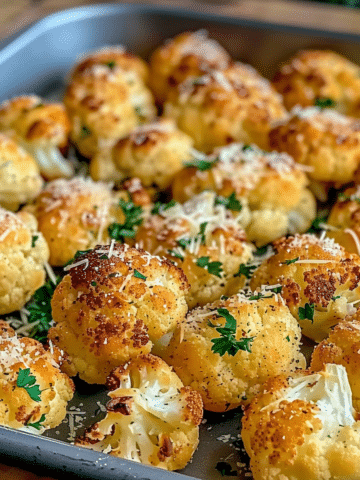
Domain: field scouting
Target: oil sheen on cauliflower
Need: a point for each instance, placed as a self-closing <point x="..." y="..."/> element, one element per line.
<point x="303" y="427"/>
<point x="151" y="417"/>
<point x="114" y="303"/>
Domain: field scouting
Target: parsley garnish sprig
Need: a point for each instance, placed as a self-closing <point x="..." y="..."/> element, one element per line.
<point x="245" y="270"/>
<point x="307" y="312"/>
<point x="214" y="268"/>
<point x="184" y="242"/>
<point x="227" y="342"/>
<point x="133" y="218"/>
<point x="38" y="425"/>
<point x="230" y="202"/>
<point x="28" y="382"/>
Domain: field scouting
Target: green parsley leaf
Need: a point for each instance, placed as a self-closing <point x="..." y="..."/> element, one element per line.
<point x="345" y="198"/>
<point x="259" y="296"/>
<point x="215" y="268"/>
<point x="315" y="226"/>
<point x="261" y="251"/>
<point x="289" y="262"/>
<point x="246" y="270"/>
<point x="335" y="298"/>
<point x="275" y="289"/>
<point x="111" y="64"/>
<point x="288" y="338"/>
<point x="160" y="207"/>
<point x="225" y="469"/>
<point x="33" y="240"/>
<point x="133" y="218"/>
<point x="201" y="165"/>
<point x="37" y="424"/>
<point x="85" y="132"/>
<point x="307" y="312"/>
<point x="137" y="274"/>
<point x="184" y="242"/>
<point x="28" y="382"/>
<point x="93" y="283"/>
<point x="175" y="254"/>
<point x="230" y="202"/>
<point x="246" y="148"/>
<point x="324" y="102"/>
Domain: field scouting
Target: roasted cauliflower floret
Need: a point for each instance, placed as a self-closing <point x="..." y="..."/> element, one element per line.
<point x="105" y="101"/>
<point x="23" y="253"/>
<point x="343" y="223"/>
<point x="154" y="153"/>
<point x="114" y="303"/>
<point x="342" y="347"/>
<point x="203" y="238"/>
<point x="43" y="129"/>
<point x="318" y="76"/>
<point x="227" y="349"/>
<point x="319" y="279"/>
<point x="20" y="180"/>
<point x="233" y="105"/>
<point x="303" y="427"/>
<point x="273" y="185"/>
<point x="76" y="215"/>
<point x="189" y="54"/>
<point x="322" y="139"/>
<point x="151" y="417"/>
<point x="33" y="391"/>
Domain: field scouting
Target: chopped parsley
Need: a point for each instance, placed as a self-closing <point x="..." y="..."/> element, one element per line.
<point x="225" y="469"/>
<point x="261" y="251"/>
<point x="184" y="242"/>
<point x="85" y="132"/>
<point x="175" y="254"/>
<point x="137" y="274"/>
<point x="345" y="198"/>
<point x="133" y="218"/>
<point x="276" y="289"/>
<point x="33" y="240"/>
<point x="28" y="382"/>
<point x="230" y="202"/>
<point x="335" y="298"/>
<point x="288" y="338"/>
<point x="161" y="207"/>
<point x="315" y="226"/>
<point x="93" y="283"/>
<point x="259" y="296"/>
<point x="246" y="270"/>
<point x="227" y="342"/>
<point x="324" y="102"/>
<point x="37" y="424"/>
<point x="289" y="262"/>
<point x="201" y="165"/>
<point x="111" y="64"/>
<point x="307" y="312"/>
<point x="246" y="148"/>
<point x="215" y="268"/>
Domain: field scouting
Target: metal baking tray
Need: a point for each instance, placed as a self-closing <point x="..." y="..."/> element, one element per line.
<point x="37" y="60"/>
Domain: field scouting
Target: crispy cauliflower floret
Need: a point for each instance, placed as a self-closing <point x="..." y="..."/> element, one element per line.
<point x="151" y="417"/>
<point x="303" y="427"/>
<point x="154" y="153"/>
<point x="42" y="128"/>
<point x="114" y="303"/>
<point x="206" y="240"/>
<point x="312" y="76"/>
<point x="23" y="253"/>
<point x="273" y="185"/>
<point x="344" y="220"/>
<point x="266" y="338"/>
<point x="20" y="180"/>
<point x="233" y="105"/>
<point x="33" y="391"/>
<point x="319" y="280"/>
<point x="189" y="54"/>
<point x="75" y="215"/>
<point x="322" y="139"/>
<point x="106" y="98"/>
<point x="343" y="348"/>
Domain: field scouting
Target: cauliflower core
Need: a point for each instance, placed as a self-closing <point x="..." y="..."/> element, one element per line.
<point x="227" y="381"/>
<point x="303" y="427"/>
<point x="151" y="417"/>
<point x="114" y="303"/>
<point x="205" y="240"/>
<point x="23" y="253"/>
<point x="33" y="391"/>
<point x="320" y="281"/>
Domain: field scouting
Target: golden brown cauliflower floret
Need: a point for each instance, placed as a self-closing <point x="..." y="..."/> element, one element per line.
<point x="189" y="54"/>
<point x="20" y="180"/>
<point x="319" y="280"/>
<point x="228" y="369"/>
<point x="322" y="139"/>
<point x="105" y="101"/>
<point x="273" y="185"/>
<point x="233" y="105"/>
<point x="344" y="220"/>
<point x="151" y="417"/>
<point x="75" y="215"/>
<point x="206" y="240"/>
<point x="342" y="347"/>
<point x="114" y="303"/>
<point x="154" y="153"/>
<point x="33" y="391"/>
<point x="42" y="128"/>
<point x="23" y="253"/>
<point x="303" y="427"/>
<point x="313" y="76"/>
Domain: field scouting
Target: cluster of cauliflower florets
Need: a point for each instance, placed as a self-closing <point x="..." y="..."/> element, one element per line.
<point x="168" y="290"/>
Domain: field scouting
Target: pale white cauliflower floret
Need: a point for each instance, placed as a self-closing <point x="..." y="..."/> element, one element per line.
<point x="303" y="427"/>
<point x="151" y="417"/>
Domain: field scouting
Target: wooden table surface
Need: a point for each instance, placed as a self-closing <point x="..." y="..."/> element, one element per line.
<point x="17" y="14"/>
